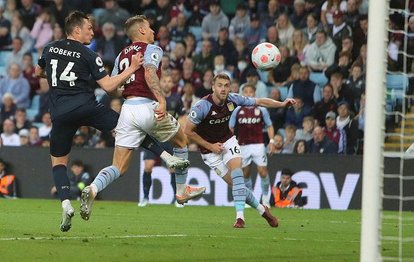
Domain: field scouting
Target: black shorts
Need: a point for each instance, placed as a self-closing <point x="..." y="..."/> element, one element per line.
<point x="65" y="126"/>
<point x="167" y="146"/>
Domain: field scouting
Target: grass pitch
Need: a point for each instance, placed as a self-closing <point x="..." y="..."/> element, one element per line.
<point x="120" y="231"/>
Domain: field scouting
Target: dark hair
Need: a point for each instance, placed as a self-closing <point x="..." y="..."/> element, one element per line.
<point x="295" y="147"/>
<point x="74" y="19"/>
<point x="78" y="163"/>
<point x="287" y="172"/>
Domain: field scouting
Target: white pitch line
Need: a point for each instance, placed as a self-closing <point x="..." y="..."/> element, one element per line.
<point x="86" y="237"/>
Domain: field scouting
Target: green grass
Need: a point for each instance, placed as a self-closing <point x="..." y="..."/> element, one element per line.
<point x="120" y="231"/>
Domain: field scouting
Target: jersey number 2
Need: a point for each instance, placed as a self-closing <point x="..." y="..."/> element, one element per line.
<point x="124" y="64"/>
<point x="66" y="74"/>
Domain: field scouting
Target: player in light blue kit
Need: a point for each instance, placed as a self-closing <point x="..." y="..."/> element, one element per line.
<point x="208" y="126"/>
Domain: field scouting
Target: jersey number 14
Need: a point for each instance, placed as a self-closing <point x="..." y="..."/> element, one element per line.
<point x="66" y="74"/>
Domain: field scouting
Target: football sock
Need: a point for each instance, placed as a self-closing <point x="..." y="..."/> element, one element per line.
<point x="239" y="190"/>
<point x="248" y="182"/>
<point x="253" y="202"/>
<point x="265" y="185"/>
<point x="66" y="204"/>
<point x="181" y="174"/>
<point x="152" y="145"/>
<point x="62" y="183"/>
<point x="174" y="186"/>
<point x="147" y="182"/>
<point x="105" y="177"/>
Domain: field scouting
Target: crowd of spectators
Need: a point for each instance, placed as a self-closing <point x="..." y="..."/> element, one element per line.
<point x="323" y="46"/>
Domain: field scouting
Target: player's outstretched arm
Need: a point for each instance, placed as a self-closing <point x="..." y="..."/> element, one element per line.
<point x="110" y="84"/>
<point x="189" y="130"/>
<point x="267" y="102"/>
<point x="153" y="83"/>
<point x="40" y="72"/>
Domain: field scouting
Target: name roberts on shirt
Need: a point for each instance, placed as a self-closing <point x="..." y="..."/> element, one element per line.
<point x="61" y="51"/>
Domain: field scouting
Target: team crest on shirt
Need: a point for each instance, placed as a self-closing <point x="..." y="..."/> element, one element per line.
<point x="193" y="114"/>
<point x="154" y="56"/>
<point x="256" y="111"/>
<point x="230" y="106"/>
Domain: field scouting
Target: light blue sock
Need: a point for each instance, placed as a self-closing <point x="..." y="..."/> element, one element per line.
<point x="105" y="177"/>
<point x="181" y="174"/>
<point x="248" y="182"/>
<point x="239" y="189"/>
<point x="251" y="200"/>
<point x="265" y="185"/>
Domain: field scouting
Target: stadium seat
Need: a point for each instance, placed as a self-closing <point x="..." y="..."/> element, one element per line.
<point x="283" y="92"/>
<point x="396" y="89"/>
<point x="196" y="31"/>
<point x="4" y="56"/>
<point x="318" y="78"/>
<point x="33" y="110"/>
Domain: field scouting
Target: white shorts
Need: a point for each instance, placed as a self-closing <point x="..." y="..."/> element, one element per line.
<point x="255" y="152"/>
<point x="137" y="119"/>
<point x="218" y="162"/>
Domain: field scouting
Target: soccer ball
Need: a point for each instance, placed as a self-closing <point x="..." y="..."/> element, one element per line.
<point x="265" y="56"/>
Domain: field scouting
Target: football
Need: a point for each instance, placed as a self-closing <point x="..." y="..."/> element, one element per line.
<point x="265" y="56"/>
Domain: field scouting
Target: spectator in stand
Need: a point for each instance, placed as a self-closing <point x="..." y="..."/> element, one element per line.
<point x="188" y="98"/>
<point x="178" y="82"/>
<point x="18" y="29"/>
<point x="284" y="28"/>
<point x="300" y="147"/>
<point x="20" y="120"/>
<point x="9" y="136"/>
<point x="255" y="33"/>
<point x="17" y="52"/>
<point x="179" y="31"/>
<point x="29" y="12"/>
<point x="243" y="66"/>
<point x="58" y="34"/>
<point x="321" y="54"/>
<point x="278" y="144"/>
<point x="298" y="17"/>
<point x="294" y="75"/>
<point x="15" y="84"/>
<point x="163" y="40"/>
<point x="205" y="59"/>
<point x="296" y="113"/>
<point x="360" y="36"/>
<point x="42" y="31"/>
<point x="24" y="137"/>
<point x="356" y="82"/>
<point x="305" y="89"/>
<point x="166" y="64"/>
<point x="8" y="107"/>
<point x="215" y="20"/>
<point x="207" y="84"/>
<point x="336" y="135"/>
<point x="341" y="91"/>
<point x="220" y="66"/>
<point x="410" y="44"/>
<point x="328" y="103"/>
<point x="190" y="75"/>
<point x="10" y="8"/>
<point x="223" y="46"/>
<point x="348" y="46"/>
<point x="43" y="100"/>
<point x="109" y="45"/>
<point x="34" y="138"/>
<point x="241" y="49"/>
<point x="349" y="126"/>
<point x="114" y="14"/>
<point x="279" y="74"/>
<point x="272" y="36"/>
<point x="239" y="23"/>
<point x="277" y="115"/>
<point x="298" y="45"/>
<point x="191" y="43"/>
<point x="253" y="79"/>
<point x="352" y="14"/>
<point x="177" y="56"/>
<point x="305" y="133"/>
<point x="235" y="86"/>
<point x="361" y="125"/>
<point x="267" y="19"/>
<point x="286" y="193"/>
<point x="362" y="58"/>
<point x="320" y="144"/>
<point x="5" y="37"/>
<point x="44" y="130"/>
<point x="166" y="14"/>
<point x="197" y="15"/>
<point x="343" y="66"/>
<point x="312" y="26"/>
<point x="60" y="10"/>
<point x="327" y="10"/>
<point x="339" y="29"/>
<point x="289" y="143"/>
<point x="29" y="74"/>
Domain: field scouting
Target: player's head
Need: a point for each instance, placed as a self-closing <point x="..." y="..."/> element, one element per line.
<point x="221" y="86"/>
<point x="166" y="83"/>
<point x="138" y="28"/>
<point x="249" y="90"/>
<point x="78" y="27"/>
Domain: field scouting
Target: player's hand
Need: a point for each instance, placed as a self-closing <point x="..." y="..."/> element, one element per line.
<point x="271" y="148"/>
<point x="137" y="60"/>
<point x="160" y="111"/>
<point x="289" y="102"/>
<point x="217" y="148"/>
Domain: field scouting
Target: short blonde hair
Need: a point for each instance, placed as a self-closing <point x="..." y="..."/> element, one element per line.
<point x="132" y="22"/>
